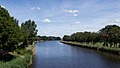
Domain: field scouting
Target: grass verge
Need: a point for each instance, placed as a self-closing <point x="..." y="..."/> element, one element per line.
<point x="97" y="46"/>
<point x="22" y="60"/>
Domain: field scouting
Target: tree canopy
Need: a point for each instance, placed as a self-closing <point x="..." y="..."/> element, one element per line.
<point x="45" y="38"/>
<point x="110" y="34"/>
<point x="29" y="30"/>
<point x="11" y="34"/>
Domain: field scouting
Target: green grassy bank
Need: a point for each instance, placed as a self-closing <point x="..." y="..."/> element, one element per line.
<point x="22" y="59"/>
<point x="97" y="46"/>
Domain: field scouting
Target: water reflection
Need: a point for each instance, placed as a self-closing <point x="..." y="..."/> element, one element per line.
<point x="110" y="57"/>
<point x="53" y="54"/>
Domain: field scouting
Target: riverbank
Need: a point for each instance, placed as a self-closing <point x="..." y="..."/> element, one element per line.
<point x="96" y="47"/>
<point x="22" y="58"/>
<point x="32" y="47"/>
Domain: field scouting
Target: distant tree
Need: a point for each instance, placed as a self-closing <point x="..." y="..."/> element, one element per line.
<point x="39" y="38"/>
<point x="67" y="38"/>
<point x="57" y="38"/>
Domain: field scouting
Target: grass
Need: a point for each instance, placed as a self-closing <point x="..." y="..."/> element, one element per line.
<point x="98" y="46"/>
<point x="16" y="62"/>
<point x="22" y="59"/>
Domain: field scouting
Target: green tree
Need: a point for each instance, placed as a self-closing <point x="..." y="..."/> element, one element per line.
<point x="67" y="38"/>
<point x="110" y="34"/>
<point x="10" y="32"/>
<point x="29" y="30"/>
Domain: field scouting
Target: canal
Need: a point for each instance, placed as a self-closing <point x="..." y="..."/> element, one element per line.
<point x="53" y="54"/>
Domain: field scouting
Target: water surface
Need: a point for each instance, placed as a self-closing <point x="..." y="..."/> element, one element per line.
<point x="53" y="54"/>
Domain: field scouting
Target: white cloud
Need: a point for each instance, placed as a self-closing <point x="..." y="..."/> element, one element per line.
<point x="113" y="21"/>
<point x="46" y="20"/>
<point x="116" y="21"/>
<point x="38" y="8"/>
<point x="75" y="15"/>
<point x="3" y="6"/>
<point x="73" y="12"/>
<point x="105" y="22"/>
<point x="35" y="8"/>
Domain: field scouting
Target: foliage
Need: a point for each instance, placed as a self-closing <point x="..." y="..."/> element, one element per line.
<point x="30" y="31"/>
<point x="39" y="38"/>
<point x="10" y="32"/>
<point x="18" y="62"/>
<point x="13" y="39"/>
<point x="109" y="36"/>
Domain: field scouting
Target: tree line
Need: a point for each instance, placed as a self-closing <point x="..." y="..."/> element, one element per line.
<point x="47" y="38"/>
<point x="109" y="36"/>
<point x="13" y="36"/>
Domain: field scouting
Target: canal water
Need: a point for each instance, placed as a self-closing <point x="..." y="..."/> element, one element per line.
<point x="53" y="54"/>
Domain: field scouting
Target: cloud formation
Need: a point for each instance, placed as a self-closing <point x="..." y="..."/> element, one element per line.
<point x="116" y="21"/>
<point x="73" y="12"/>
<point x="46" y="20"/>
<point x="35" y="8"/>
<point x="75" y="15"/>
<point x="72" y="15"/>
<point x="38" y="8"/>
<point x="3" y="6"/>
<point x="111" y="22"/>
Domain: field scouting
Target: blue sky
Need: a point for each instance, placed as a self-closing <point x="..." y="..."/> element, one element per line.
<point x="60" y="17"/>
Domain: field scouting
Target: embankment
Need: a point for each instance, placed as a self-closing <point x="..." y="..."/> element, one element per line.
<point x="100" y="48"/>
<point x="32" y="47"/>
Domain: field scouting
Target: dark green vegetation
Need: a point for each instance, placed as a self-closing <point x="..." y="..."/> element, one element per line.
<point x="107" y="37"/>
<point x="29" y="31"/>
<point x="14" y="38"/>
<point x="21" y="60"/>
<point x="45" y="38"/>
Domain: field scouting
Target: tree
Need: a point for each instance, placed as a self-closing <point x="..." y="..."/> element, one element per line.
<point x="67" y="38"/>
<point x="29" y="30"/>
<point x="110" y="34"/>
<point x="40" y="38"/>
<point x="10" y="33"/>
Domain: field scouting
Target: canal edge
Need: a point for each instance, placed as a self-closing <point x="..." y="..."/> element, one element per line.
<point x="109" y="50"/>
<point x="32" y="56"/>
